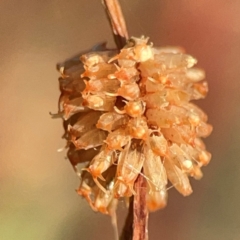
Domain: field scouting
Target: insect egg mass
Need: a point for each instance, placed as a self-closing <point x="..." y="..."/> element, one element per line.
<point x="128" y="117"/>
<point x="131" y="111"/>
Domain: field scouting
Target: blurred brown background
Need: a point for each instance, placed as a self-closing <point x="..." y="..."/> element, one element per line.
<point x="37" y="184"/>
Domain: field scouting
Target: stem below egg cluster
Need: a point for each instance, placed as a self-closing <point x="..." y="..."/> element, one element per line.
<point x="140" y="211"/>
<point x="136" y="224"/>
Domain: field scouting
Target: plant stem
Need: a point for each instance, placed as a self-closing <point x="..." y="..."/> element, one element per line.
<point x="136" y="224"/>
<point x="140" y="211"/>
<point x="117" y="22"/>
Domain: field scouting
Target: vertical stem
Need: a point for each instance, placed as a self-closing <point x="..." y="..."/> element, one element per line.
<point x="136" y="224"/>
<point x="140" y="211"/>
<point x="117" y="22"/>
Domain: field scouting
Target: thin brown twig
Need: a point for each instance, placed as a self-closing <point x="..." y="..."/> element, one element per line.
<point x="117" y="22"/>
<point x="136" y="224"/>
<point x="140" y="211"/>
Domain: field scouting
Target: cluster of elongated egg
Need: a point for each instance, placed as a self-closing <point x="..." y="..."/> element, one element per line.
<point x="130" y="113"/>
